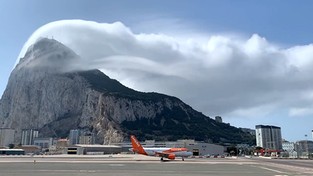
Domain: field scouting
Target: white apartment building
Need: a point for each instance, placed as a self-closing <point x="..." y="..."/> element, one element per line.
<point x="74" y="137"/>
<point x="28" y="136"/>
<point x="289" y="149"/>
<point x="6" y="136"/>
<point x="268" y="137"/>
<point x="87" y="139"/>
<point x="288" y="146"/>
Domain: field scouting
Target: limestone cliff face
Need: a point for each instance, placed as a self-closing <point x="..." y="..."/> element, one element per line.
<point x="44" y="93"/>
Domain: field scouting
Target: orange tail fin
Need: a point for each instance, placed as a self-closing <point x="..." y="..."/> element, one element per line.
<point x="137" y="148"/>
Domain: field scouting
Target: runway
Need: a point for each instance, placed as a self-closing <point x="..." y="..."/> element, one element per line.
<point x="136" y="165"/>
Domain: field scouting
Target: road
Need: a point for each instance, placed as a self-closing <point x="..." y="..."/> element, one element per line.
<point x="134" y="165"/>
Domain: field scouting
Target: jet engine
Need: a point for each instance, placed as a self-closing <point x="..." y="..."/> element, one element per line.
<point x="171" y="156"/>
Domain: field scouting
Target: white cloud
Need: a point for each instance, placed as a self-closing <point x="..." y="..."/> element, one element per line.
<point x="301" y="111"/>
<point x="216" y="74"/>
<point x="254" y="112"/>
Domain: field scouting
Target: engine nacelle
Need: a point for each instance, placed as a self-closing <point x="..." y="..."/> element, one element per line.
<point x="171" y="156"/>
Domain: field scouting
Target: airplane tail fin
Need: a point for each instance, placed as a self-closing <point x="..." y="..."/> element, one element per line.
<point x="137" y="147"/>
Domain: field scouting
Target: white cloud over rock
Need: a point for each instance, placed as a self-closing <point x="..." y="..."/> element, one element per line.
<point x="217" y="74"/>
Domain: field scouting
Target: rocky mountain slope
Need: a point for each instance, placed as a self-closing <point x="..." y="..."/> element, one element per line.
<point x="44" y="93"/>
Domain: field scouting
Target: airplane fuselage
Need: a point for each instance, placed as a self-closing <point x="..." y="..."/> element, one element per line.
<point x="178" y="153"/>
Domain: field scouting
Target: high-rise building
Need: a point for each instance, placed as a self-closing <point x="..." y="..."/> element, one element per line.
<point x="28" y="136"/>
<point x="268" y="137"/>
<point x="74" y="137"/>
<point x="6" y="136"/>
<point x="87" y="139"/>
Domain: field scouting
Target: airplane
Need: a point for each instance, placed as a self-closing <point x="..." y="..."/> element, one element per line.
<point x="170" y="153"/>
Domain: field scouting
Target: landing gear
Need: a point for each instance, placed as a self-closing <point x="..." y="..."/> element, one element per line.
<point x="182" y="158"/>
<point x="161" y="159"/>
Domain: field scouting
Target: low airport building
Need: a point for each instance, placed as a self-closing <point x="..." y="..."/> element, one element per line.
<point x="12" y="152"/>
<point x="197" y="148"/>
<point x="81" y="149"/>
<point x="44" y="143"/>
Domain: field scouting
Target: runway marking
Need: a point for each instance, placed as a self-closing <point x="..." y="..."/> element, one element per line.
<point x="117" y="165"/>
<point x="273" y="170"/>
<point x="87" y="171"/>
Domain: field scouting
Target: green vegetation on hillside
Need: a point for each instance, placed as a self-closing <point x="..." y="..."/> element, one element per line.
<point x="179" y="122"/>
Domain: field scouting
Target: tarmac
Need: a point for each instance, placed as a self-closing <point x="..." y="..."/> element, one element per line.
<point x="138" y="165"/>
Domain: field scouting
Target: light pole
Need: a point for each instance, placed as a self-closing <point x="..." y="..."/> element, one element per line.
<point x="306" y="145"/>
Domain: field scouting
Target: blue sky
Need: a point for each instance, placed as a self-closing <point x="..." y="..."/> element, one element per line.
<point x="285" y="24"/>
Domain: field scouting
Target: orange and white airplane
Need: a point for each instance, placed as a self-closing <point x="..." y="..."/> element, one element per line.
<point x="170" y="153"/>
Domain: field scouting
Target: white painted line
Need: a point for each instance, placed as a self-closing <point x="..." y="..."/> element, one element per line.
<point x="273" y="170"/>
<point x="117" y="165"/>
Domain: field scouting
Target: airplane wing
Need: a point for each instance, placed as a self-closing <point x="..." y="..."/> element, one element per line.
<point x="166" y="155"/>
<point x="170" y="153"/>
